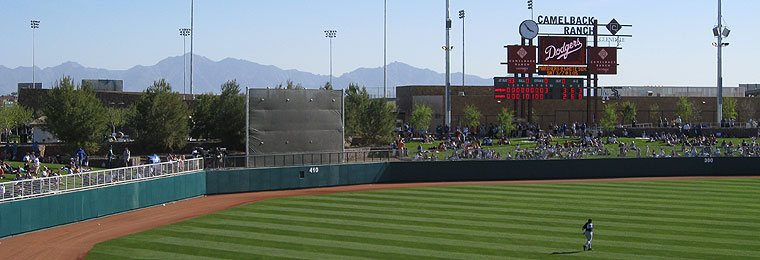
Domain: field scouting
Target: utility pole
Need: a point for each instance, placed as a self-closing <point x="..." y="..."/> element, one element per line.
<point x="385" y="33"/>
<point x="192" y="31"/>
<point x="448" y="67"/>
<point x="35" y="25"/>
<point x="721" y="33"/>
<point x="330" y="34"/>
<point x="184" y="32"/>
<point x="461" y="16"/>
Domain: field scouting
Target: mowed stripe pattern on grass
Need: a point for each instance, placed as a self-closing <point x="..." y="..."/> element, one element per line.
<point x="673" y="219"/>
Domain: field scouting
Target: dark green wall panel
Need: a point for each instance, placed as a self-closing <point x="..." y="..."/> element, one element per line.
<point x="569" y="169"/>
<point x="229" y="181"/>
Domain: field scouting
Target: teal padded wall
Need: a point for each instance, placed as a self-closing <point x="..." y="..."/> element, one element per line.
<point x="32" y="214"/>
<point x="36" y="213"/>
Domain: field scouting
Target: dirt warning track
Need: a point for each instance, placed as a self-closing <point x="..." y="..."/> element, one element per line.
<point x="75" y="240"/>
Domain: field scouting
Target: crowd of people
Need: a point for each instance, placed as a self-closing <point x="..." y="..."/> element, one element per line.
<point x="38" y="183"/>
<point x="463" y="144"/>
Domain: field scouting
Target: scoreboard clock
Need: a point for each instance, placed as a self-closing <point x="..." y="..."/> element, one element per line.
<point x="538" y="88"/>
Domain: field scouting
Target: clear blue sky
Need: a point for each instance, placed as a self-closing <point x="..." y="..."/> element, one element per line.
<point x="671" y="44"/>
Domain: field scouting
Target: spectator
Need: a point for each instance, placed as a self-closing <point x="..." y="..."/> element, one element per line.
<point x="79" y="155"/>
<point x="127" y="156"/>
<point x="36" y="161"/>
<point x="86" y="162"/>
<point x="110" y="156"/>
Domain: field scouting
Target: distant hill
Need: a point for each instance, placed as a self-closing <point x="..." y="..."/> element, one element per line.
<point x="210" y="74"/>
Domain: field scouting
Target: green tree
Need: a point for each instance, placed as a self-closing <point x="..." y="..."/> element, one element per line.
<point x="377" y="121"/>
<point x="471" y="116"/>
<point x="74" y="115"/>
<point x="729" y="108"/>
<point x="372" y="119"/>
<point x="421" y="117"/>
<point x="289" y="85"/>
<point x="684" y="109"/>
<point x="505" y="122"/>
<point x="13" y="117"/>
<point x="356" y="101"/>
<point x="202" y="118"/>
<point x="629" y="111"/>
<point x="160" y="118"/>
<point x="609" y="118"/>
<point x="116" y="117"/>
<point x="229" y="117"/>
<point x="327" y="86"/>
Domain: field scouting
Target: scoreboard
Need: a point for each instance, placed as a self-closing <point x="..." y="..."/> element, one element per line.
<point x="538" y="88"/>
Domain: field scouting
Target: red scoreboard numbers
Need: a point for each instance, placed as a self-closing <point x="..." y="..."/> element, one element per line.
<point x="572" y="93"/>
<point x="538" y="88"/>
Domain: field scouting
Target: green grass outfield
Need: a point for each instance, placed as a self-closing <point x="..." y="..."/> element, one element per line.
<point x="673" y="219"/>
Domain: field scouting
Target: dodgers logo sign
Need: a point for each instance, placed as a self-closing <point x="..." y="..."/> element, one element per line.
<point x="562" y="50"/>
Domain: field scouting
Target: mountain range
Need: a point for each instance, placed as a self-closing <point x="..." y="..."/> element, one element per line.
<point x="209" y="75"/>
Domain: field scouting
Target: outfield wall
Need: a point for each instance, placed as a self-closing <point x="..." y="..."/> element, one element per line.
<point x="569" y="169"/>
<point x="263" y="179"/>
<point x="249" y="180"/>
<point x="37" y="213"/>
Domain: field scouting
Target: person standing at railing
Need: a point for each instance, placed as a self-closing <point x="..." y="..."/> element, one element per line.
<point x="110" y="156"/>
<point x="127" y="156"/>
<point x="80" y="155"/>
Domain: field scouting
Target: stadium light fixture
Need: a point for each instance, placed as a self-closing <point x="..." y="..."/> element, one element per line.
<point x="461" y="16"/>
<point x="184" y="32"/>
<point x="330" y="34"/>
<point x="35" y="24"/>
<point x="720" y="31"/>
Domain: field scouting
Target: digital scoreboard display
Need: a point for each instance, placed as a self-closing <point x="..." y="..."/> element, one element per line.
<point x="538" y="88"/>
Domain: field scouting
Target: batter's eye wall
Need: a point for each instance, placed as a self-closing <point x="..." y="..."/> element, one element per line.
<point x="294" y="121"/>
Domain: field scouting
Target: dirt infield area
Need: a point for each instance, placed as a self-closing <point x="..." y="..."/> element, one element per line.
<point x="75" y="240"/>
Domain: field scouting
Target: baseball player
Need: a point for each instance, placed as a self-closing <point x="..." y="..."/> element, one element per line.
<point x="588" y="230"/>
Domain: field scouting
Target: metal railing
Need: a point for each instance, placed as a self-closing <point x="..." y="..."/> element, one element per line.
<point x="22" y="189"/>
<point x="298" y="159"/>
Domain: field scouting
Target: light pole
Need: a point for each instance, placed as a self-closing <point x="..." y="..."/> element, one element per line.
<point x="192" y="7"/>
<point x="720" y="32"/>
<point x="448" y="68"/>
<point x="184" y="32"/>
<point x="330" y="34"/>
<point x="385" y="71"/>
<point x="461" y="16"/>
<point x="35" y="25"/>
